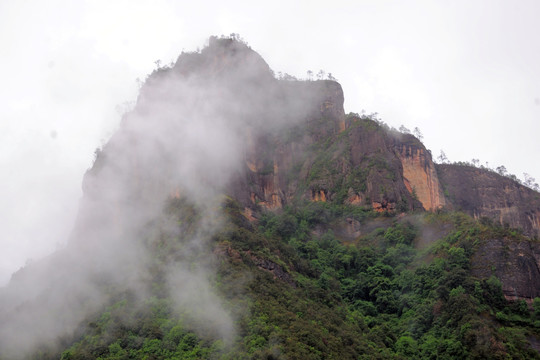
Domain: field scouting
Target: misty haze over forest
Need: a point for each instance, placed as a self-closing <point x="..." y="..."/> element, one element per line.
<point x="184" y="139"/>
<point x="81" y="61"/>
<point x="230" y="193"/>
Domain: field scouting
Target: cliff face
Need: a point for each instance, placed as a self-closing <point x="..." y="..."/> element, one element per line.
<point x="198" y="123"/>
<point x="341" y="158"/>
<point x="515" y="263"/>
<point x="218" y="122"/>
<point x="332" y="158"/>
<point x="273" y="159"/>
<point x="482" y="193"/>
<point x="420" y="174"/>
<point x="293" y="142"/>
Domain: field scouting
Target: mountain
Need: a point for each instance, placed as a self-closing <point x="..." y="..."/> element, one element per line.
<point x="235" y="215"/>
<point x="482" y="193"/>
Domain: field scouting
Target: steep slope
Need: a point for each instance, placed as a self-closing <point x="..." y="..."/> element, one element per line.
<point x="237" y="216"/>
<point x="419" y="172"/>
<point x="310" y="296"/>
<point x="346" y="159"/>
<point x="488" y="196"/>
<point x="515" y="262"/>
<point x="483" y="193"/>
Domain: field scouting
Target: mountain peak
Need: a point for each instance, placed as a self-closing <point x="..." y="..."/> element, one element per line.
<point x="223" y="56"/>
<point x="317" y="213"/>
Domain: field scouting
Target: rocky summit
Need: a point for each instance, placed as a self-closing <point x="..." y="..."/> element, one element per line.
<point x="239" y="215"/>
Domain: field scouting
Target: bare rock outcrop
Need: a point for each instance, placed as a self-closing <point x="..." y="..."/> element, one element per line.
<point x="515" y="263"/>
<point x="482" y="193"/>
<point x="420" y="174"/>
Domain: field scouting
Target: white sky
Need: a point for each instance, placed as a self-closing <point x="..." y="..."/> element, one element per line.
<point x="467" y="73"/>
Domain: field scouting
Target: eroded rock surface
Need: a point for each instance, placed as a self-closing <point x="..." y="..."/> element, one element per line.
<point x="515" y="263"/>
<point x="420" y="175"/>
<point x="482" y="193"/>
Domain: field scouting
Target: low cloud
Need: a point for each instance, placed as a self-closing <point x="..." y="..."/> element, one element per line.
<point x="185" y="140"/>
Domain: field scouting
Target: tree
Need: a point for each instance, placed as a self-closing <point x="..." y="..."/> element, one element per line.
<point x="331" y="77"/>
<point x="404" y="130"/>
<point x="407" y="346"/>
<point x="442" y="158"/>
<point x="158" y="63"/>
<point x="530" y="182"/>
<point x="536" y="307"/>
<point x="501" y="170"/>
<point x="320" y="74"/>
<point x="528" y="179"/>
<point x="418" y="133"/>
<point x="475" y="162"/>
<point x="310" y="75"/>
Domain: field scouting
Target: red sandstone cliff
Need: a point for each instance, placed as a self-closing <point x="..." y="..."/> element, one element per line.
<point x="420" y="175"/>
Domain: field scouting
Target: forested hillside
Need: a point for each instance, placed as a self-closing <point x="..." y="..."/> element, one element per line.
<point x="297" y="291"/>
<point x="235" y="215"/>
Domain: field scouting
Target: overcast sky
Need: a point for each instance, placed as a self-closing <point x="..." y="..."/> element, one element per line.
<point x="467" y="73"/>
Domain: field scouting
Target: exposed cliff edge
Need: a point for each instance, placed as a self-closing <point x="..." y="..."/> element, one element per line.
<point x="329" y="158"/>
<point x="272" y="175"/>
<point x="291" y="141"/>
<point x="419" y="173"/>
<point x="482" y="193"/>
<point x="296" y="144"/>
<point x="515" y="263"/>
<point x="488" y="196"/>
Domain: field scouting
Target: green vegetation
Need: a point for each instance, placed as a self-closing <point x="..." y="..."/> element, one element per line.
<point x="298" y="286"/>
<point x="383" y="295"/>
<point x="333" y="170"/>
<point x="314" y="279"/>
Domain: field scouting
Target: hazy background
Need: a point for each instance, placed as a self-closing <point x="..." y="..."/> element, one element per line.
<point x="466" y="73"/>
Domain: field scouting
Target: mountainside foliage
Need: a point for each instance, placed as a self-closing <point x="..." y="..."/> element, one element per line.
<point x="290" y="232"/>
<point x="297" y="292"/>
